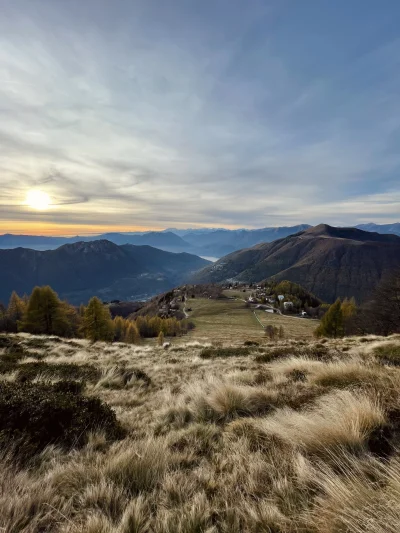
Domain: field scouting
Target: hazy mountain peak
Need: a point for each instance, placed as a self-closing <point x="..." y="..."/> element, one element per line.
<point x="355" y="234"/>
<point x="100" y="246"/>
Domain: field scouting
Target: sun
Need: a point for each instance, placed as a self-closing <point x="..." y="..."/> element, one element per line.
<point x="39" y="200"/>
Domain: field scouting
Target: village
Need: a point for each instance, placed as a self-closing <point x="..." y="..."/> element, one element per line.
<point x="283" y="298"/>
<point x="264" y="297"/>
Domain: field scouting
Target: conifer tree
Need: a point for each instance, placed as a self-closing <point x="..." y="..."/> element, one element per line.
<point x="332" y="322"/>
<point x="97" y="322"/>
<point x="120" y="328"/>
<point x="349" y="308"/>
<point x="15" y="311"/>
<point x="132" y="335"/>
<point x="160" y="339"/>
<point x="46" y="314"/>
<point x="349" y="311"/>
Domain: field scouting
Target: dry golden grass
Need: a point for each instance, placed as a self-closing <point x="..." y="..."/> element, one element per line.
<point x="231" y="321"/>
<point x="302" y="443"/>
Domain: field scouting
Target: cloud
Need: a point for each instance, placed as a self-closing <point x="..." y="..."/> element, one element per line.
<point x="138" y="113"/>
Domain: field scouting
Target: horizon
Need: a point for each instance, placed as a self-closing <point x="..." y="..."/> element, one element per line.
<point x="172" y="230"/>
<point x="139" y="116"/>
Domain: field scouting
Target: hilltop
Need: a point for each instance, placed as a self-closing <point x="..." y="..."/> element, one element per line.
<point x="330" y="262"/>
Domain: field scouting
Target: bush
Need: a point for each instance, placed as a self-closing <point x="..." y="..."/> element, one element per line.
<point x="251" y="343"/>
<point x="210" y="353"/>
<point x="275" y="353"/>
<point x="33" y="416"/>
<point x="317" y="351"/>
<point x="389" y="354"/>
<point x="13" y="352"/>
<point x="68" y="371"/>
<point x="5" y="341"/>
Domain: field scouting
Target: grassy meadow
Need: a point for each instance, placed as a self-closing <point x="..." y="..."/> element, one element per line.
<point x="230" y="321"/>
<point x="295" y="436"/>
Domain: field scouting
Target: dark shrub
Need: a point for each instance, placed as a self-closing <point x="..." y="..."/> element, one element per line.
<point x="5" y="342"/>
<point x="317" y="351"/>
<point x="6" y="367"/>
<point x="37" y="342"/>
<point x="32" y="416"/>
<point x="389" y="354"/>
<point x="13" y="351"/>
<point x="251" y="343"/>
<point x="75" y="387"/>
<point x="275" y="353"/>
<point x="68" y="371"/>
<point x="210" y="353"/>
<point x="297" y="375"/>
<point x="127" y="375"/>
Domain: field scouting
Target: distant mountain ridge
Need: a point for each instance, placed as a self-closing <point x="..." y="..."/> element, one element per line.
<point x="207" y="242"/>
<point x="199" y="242"/>
<point x="163" y="240"/>
<point x="101" y="268"/>
<point x="381" y="228"/>
<point x="222" y="242"/>
<point x="330" y="262"/>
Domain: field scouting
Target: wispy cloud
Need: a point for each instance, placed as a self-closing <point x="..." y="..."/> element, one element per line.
<point x="148" y="113"/>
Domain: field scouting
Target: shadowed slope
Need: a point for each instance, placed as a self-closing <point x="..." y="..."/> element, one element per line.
<point x="330" y="262"/>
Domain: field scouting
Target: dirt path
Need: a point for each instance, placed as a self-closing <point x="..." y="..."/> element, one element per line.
<point x="258" y="320"/>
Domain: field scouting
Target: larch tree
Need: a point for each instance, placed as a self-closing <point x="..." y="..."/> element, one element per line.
<point x="132" y="335"/>
<point x="15" y="311"/>
<point x="332" y="322"/>
<point x="97" y="322"/>
<point x="349" y="310"/>
<point x="120" y="327"/>
<point x="46" y="314"/>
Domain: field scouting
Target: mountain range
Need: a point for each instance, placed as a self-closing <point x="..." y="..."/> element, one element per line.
<point x="98" y="268"/>
<point x="205" y="242"/>
<point x="330" y="262"/>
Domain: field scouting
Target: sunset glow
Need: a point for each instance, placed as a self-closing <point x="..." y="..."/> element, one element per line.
<point x="38" y="200"/>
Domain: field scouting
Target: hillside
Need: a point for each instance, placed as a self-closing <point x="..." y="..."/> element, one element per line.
<point x="292" y="436"/>
<point x="330" y="262"/>
<point x="81" y="270"/>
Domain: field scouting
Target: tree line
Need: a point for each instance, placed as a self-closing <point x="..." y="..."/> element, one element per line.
<point x="44" y="313"/>
<point x="378" y="316"/>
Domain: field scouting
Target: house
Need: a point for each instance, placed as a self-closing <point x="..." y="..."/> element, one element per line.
<point x="281" y="297"/>
<point x="303" y="314"/>
<point x="287" y="305"/>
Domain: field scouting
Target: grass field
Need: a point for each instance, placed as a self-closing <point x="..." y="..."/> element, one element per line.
<point x="294" y="327"/>
<point x="290" y="437"/>
<point x="231" y="321"/>
<point x="223" y="321"/>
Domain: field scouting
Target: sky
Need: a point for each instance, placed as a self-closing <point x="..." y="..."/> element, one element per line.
<point x="146" y="114"/>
